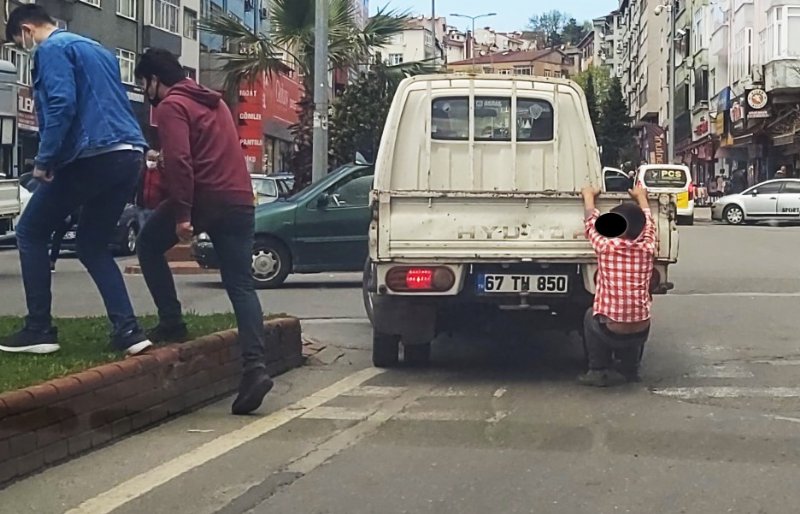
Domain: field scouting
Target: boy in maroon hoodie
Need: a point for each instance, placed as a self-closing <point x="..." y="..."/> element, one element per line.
<point x="208" y="190"/>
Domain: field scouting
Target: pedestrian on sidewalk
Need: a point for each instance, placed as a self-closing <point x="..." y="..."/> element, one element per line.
<point x="618" y="324"/>
<point x="209" y="190"/>
<point x="151" y="187"/>
<point x="90" y="155"/>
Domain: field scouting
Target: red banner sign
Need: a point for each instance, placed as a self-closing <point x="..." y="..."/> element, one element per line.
<point x="250" y="118"/>
<point x="282" y="94"/>
<point x="26" y="113"/>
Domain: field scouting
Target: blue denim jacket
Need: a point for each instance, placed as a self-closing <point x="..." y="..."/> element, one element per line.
<point x="81" y="104"/>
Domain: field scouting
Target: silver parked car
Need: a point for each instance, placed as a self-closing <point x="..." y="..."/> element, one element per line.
<point x="770" y="200"/>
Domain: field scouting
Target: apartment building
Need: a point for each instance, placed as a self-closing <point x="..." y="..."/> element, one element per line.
<point x="605" y="42"/>
<point x="637" y="57"/>
<point x="755" y="63"/>
<point x="549" y="62"/>
<point x="415" y="43"/>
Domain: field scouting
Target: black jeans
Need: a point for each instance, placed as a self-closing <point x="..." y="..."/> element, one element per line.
<point x="603" y="346"/>
<point x="101" y="186"/>
<point x="231" y="231"/>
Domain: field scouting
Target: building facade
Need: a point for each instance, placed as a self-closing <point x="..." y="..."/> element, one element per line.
<point x="550" y="62"/>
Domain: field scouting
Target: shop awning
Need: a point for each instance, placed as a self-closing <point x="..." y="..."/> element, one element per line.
<point x="278" y="129"/>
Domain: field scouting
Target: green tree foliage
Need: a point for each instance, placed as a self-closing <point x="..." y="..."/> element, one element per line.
<point x="291" y="36"/>
<point x="558" y="28"/>
<point x="615" y="134"/>
<point x="601" y="76"/>
<point x="360" y="113"/>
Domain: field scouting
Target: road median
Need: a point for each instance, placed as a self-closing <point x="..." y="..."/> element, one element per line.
<point x="48" y="423"/>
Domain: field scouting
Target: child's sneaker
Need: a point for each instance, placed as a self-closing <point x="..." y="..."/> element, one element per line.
<point x="601" y="378"/>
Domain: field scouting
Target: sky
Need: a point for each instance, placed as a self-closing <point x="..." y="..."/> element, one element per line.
<point x="511" y="14"/>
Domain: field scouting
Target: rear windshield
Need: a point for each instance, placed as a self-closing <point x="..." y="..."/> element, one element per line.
<point x="665" y="178"/>
<point x="450" y="119"/>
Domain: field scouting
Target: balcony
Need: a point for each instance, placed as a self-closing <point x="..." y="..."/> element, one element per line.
<point x="782" y="75"/>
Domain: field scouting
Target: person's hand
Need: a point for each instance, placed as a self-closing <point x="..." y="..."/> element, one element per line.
<point x="184" y="231"/>
<point x="639" y="194"/>
<point x="590" y="192"/>
<point x="42" y="175"/>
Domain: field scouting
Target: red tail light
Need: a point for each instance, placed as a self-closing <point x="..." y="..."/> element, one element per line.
<point x="407" y="279"/>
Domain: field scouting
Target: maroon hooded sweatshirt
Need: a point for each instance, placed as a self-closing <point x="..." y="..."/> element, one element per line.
<point x="205" y="169"/>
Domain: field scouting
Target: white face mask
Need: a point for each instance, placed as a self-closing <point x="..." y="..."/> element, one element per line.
<point x="28" y="43"/>
<point x="151" y="165"/>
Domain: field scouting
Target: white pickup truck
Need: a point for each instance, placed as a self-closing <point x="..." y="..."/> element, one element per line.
<point x="477" y="215"/>
<point x="10" y="206"/>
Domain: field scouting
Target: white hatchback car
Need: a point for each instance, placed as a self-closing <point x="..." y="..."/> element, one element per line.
<point x="770" y="200"/>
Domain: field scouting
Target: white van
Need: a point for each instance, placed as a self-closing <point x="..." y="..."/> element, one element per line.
<point x="671" y="179"/>
<point x="477" y="217"/>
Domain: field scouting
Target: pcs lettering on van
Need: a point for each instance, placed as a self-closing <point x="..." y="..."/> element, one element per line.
<point x="506" y="232"/>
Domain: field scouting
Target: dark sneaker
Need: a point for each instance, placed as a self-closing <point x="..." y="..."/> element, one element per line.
<point x="31" y="341"/>
<point x="601" y="378"/>
<point x="631" y="375"/>
<point x="164" y="333"/>
<point x="254" y="387"/>
<point x="132" y="343"/>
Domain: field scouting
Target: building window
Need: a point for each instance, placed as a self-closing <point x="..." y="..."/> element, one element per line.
<point x="189" y="24"/>
<point x="395" y="59"/>
<point x="783" y="21"/>
<point x="550" y="73"/>
<point x="699" y="30"/>
<point x="701" y="85"/>
<point x="127" y="8"/>
<point x="94" y="3"/>
<point x="22" y="61"/>
<point x="127" y="63"/>
<point x="165" y="14"/>
<point x="504" y="71"/>
<point x="522" y="70"/>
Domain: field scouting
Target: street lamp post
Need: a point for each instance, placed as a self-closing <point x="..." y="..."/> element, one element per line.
<point x="670" y="8"/>
<point x="473" y="18"/>
<point x="319" y="165"/>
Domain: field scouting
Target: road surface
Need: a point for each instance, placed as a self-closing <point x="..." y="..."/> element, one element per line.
<point x="494" y="425"/>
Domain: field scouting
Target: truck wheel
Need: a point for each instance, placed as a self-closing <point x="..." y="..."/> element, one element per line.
<point x="385" y="350"/>
<point x="417" y="354"/>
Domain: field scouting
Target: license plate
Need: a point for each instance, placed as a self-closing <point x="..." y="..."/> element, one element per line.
<point x="522" y="284"/>
<point x="683" y="200"/>
<point x="69" y="235"/>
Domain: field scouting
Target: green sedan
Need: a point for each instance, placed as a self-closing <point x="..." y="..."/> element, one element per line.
<point x="323" y="228"/>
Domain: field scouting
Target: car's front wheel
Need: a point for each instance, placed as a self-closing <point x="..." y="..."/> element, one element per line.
<point x="271" y="263"/>
<point x="733" y="215"/>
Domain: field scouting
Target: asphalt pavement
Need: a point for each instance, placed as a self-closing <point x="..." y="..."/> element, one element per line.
<point x="494" y="425"/>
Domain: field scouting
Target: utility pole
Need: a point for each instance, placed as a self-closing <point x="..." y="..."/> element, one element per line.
<point x="671" y="135"/>
<point x="433" y="28"/>
<point x="319" y="165"/>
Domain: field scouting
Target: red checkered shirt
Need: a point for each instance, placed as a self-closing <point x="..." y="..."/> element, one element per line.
<point x="625" y="268"/>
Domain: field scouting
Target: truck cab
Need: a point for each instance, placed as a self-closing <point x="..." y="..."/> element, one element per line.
<point x="477" y="215"/>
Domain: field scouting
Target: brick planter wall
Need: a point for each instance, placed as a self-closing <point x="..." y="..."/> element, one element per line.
<point x="51" y="422"/>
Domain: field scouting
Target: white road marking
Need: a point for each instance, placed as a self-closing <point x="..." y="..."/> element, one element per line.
<point x="442" y="415"/>
<point x="694" y="393"/>
<point x="498" y="417"/>
<point x="784" y="418"/>
<point x="720" y="371"/>
<point x="352" y="435"/>
<point x="338" y="413"/>
<point x="140" y="485"/>
<point x="377" y="391"/>
<point x="500" y="392"/>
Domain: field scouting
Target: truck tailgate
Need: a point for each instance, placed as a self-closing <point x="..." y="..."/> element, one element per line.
<point x="502" y="226"/>
<point x="9" y="198"/>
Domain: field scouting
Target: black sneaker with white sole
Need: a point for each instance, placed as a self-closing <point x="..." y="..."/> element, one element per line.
<point x="168" y="333"/>
<point x="132" y="342"/>
<point x="31" y="341"/>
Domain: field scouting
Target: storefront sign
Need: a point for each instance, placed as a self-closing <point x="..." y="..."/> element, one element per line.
<point x="250" y="116"/>
<point x="757" y="104"/>
<point x="702" y="128"/>
<point x="737" y="114"/>
<point x="281" y="96"/>
<point x="26" y="113"/>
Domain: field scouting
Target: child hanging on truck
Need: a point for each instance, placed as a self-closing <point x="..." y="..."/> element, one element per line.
<point x="618" y="325"/>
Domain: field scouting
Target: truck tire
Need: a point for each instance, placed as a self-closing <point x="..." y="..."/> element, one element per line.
<point x="385" y="350"/>
<point x="417" y="354"/>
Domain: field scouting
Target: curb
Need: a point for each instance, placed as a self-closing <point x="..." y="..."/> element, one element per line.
<point x="49" y="423"/>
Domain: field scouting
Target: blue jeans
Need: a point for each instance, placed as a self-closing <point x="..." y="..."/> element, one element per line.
<point x="231" y="231"/>
<point x="101" y="185"/>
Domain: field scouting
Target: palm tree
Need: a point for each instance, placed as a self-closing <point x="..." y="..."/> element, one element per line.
<point x="292" y="36"/>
